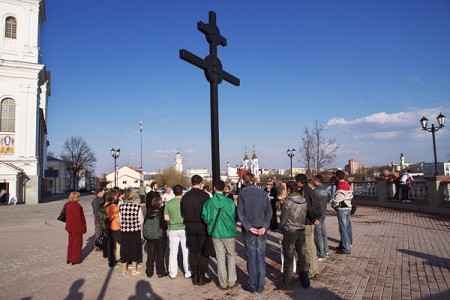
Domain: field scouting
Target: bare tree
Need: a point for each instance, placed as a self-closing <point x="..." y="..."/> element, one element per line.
<point x="306" y="151"/>
<point x="78" y="156"/>
<point x="316" y="151"/>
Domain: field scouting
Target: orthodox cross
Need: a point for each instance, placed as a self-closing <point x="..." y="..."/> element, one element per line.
<point x="214" y="73"/>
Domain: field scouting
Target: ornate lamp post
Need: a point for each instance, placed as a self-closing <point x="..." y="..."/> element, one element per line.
<point x="291" y="154"/>
<point x="140" y="129"/>
<point x="432" y="129"/>
<point x="115" y="154"/>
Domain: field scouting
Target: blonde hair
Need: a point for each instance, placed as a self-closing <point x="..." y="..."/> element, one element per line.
<point x="74" y="197"/>
<point x="129" y="195"/>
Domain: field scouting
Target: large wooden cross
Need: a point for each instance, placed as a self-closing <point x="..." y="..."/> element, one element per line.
<point x="214" y="74"/>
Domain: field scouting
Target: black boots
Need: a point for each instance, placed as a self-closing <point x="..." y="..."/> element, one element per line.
<point x="203" y="280"/>
<point x="195" y="279"/>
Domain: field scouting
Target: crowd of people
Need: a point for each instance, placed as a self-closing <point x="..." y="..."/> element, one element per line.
<point x="190" y="220"/>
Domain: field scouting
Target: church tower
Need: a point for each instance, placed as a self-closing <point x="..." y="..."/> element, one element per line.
<point x="245" y="160"/>
<point x="24" y="92"/>
<point x="178" y="163"/>
<point x="254" y="164"/>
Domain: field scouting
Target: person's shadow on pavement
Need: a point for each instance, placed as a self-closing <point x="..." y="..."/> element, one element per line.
<point x="144" y="291"/>
<point x="74" y="293"/>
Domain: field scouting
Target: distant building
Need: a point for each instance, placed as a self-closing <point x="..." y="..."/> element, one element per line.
<point x="24" y="92"/>
<point x="56" y="175"/>
<point x="126" y="178"/>
<point x="355" y="167"/>
<point x="204" y="172"/>
<point x="443" y="169"/>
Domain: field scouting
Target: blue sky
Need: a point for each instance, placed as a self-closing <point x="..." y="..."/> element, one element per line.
<point x="368" y="70"/>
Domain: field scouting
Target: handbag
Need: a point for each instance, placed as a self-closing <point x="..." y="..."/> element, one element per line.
<point x="62" y="215"/>
<point x="208" y="247"/>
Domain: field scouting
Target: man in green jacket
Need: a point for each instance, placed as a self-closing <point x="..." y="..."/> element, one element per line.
<point x="223" y="232"/>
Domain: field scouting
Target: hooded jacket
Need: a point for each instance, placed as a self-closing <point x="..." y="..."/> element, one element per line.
<point x="343" y="197"/>
<point x="294" y="213"/>
<point x="226" y="223"/>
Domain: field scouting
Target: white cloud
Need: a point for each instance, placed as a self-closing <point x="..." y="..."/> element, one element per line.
<point x="385" y="122"/>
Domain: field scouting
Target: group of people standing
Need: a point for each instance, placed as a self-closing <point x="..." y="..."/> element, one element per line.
<point x="189" y="219"/>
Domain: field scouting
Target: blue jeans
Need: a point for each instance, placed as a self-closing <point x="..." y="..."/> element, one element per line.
<point x="321" y="238"/>
<point x="345" y="229"/>
<point x="255" y="248"/>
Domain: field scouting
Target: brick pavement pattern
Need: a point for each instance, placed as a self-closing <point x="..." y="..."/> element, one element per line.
<point x="396" y="255"/>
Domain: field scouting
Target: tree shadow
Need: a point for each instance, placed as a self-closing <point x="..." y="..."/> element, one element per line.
<point x="432" y="260"/>
<point x="144" y="291"/>
<point x="74" y="292"/>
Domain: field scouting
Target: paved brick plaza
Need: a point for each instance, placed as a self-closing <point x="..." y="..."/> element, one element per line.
<point x="396" y="255"/>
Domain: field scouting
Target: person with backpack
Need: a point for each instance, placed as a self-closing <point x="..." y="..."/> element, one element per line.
<point x="96" y="203"/>
<point x="102" y="220"/>
<point x="155" y="228"/>
<point x="112" y="222"/>
<point x="294" y="214"/>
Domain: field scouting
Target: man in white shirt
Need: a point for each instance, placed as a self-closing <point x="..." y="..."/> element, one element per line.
<point x="167" y="195"/>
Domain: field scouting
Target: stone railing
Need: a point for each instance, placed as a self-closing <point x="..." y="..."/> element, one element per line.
<point x="364" y="188"/>
<point x="426" y="194"/>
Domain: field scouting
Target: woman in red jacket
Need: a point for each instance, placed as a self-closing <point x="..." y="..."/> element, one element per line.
<point x="76" y="227"/>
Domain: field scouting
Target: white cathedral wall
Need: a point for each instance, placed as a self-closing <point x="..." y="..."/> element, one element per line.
<point x="25" y="47"/>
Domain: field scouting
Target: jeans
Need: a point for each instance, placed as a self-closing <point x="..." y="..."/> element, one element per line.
<point x="255" y="248"/>
<point x="345" y="229"/>
<point x="226" y="259"/>
<point x="177" y="238"/>
<point x="405" y="189"/>
<point x="320" y="238"/>
<point x="156" y="251"/>
<point x="196" y="237"/>
<point x="293" y="242"/>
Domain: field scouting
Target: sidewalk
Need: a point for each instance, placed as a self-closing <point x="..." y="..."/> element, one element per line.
<point x="396" y="255"/>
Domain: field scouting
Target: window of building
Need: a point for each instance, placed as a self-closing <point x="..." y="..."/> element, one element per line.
<point x="124" y="182"/>
<point x="11" y="28"/>
<point x="136" y="181"/>
<point x="8" y="115"/>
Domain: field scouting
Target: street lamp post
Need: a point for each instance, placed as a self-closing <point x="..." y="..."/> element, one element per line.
<point x="432" y="129"/>
<point x="115" y="154"/>
<point x="291" y="154"/>
<point x="140" y="129"/>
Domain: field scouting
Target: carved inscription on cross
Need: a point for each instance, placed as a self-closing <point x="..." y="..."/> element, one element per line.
<point x="214" y="73"/>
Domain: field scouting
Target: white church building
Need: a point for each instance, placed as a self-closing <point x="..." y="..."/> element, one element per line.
<point x="24" y="92"/>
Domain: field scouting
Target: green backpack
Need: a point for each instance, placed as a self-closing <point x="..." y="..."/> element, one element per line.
<point x="103" y="220"/>
<point x="152" y="229"/>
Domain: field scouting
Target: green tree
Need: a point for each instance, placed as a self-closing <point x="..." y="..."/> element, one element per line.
<point x="171" y="177"/>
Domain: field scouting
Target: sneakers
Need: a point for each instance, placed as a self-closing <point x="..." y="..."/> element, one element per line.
<point x="320" y="259"/>
<point x="327" y="255"/>
<point x="134" y="273"/>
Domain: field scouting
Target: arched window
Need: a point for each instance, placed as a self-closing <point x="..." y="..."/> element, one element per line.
<point x="11" y="28"/>
<point x="8" y="115"/>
